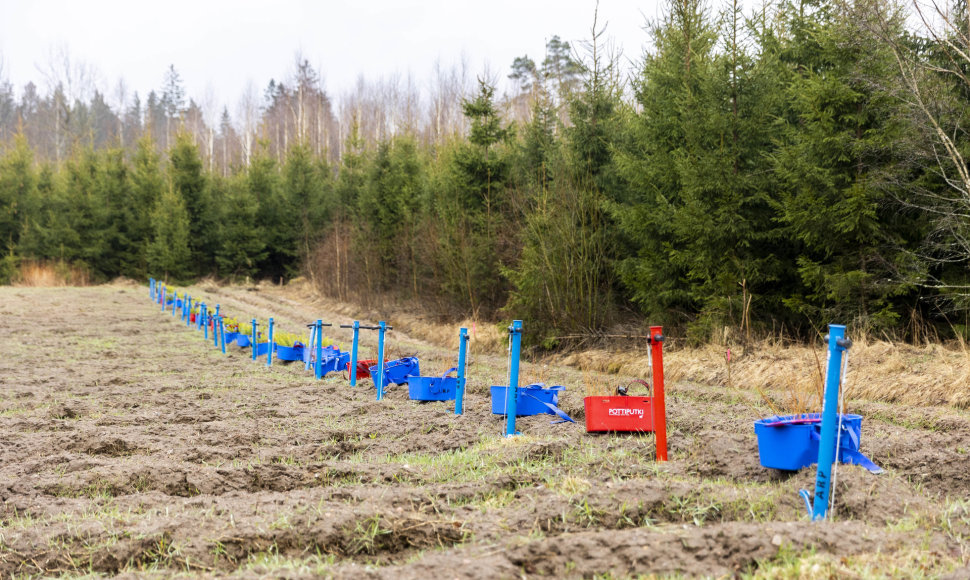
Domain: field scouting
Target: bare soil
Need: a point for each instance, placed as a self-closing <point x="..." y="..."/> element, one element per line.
<point x="129" y="445"/>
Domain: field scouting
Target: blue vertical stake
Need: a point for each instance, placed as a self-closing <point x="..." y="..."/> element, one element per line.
<point x="353" y="354"/>
<point x="163" y="299"/>
<point x="462" y="351"/>
<point x="382" y="328"/>
<point x="215" y="334"/>
<point x="205" y="322"/>
<point x="827" y="453"/>
<point x="515" y="345"/>
<point x="318" y="344"/>
<point x="269" y="351"/>
<point x="254" y="339"/>
<point x="222" y="334"/>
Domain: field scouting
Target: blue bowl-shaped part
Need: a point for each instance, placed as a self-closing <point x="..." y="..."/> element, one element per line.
<point x="432" y="388"/>
<point x="243" y="340"/>
<point x="262" y="348"/>
<point x="335" y="363"/>
<point x="525" y="406"/>
<point x="398" y="371"/>
<point x="787" y="445"/>
<point x="289" y="352"/>
<point x="310" y="353"/>
<point x="231" y="337"/>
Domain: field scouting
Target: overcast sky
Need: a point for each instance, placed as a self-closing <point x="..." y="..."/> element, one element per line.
<point x="221" y="45"/>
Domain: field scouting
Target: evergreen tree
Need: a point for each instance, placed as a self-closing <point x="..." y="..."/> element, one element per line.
<point x="273" y="217"/>
<point x="305" y="184"/>
<point x="88" y="216"/>
<point x="560" y="67"/>
<point x="388" y="209"/>
<point x="563" y="280"/>
<point x="836" y="165"/>
<point x="17" y="184"/>
<point x="242" y="246"/>
<point x="701" y="224"/>
<point x="189" y="181"/>
<point x="17" y="187"/>
<point x="118" y="199"/>
<point x="473" y="207"/>
<point x="147" y="186"/>
<point x="169" y="253"/>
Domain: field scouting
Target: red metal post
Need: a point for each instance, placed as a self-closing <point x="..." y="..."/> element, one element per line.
<point x="659" y="410"/>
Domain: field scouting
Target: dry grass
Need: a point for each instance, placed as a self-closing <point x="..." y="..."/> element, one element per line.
<point x="50" y="274"/>
<point x="484" y="337"/>
<point x="789" y="378"/>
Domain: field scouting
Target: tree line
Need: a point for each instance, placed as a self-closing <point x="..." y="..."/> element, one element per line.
<point x="766" y="172"/>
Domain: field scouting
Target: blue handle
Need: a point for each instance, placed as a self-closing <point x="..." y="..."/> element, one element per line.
<point x="462" y="352"/>
<point x="515" y="342"/>
<point x="830" y="418"/>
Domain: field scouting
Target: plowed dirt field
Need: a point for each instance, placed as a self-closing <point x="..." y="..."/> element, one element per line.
<point x="129" y="445"/>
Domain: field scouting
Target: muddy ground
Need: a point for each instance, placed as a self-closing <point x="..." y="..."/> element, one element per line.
<point x="129" y="445"/>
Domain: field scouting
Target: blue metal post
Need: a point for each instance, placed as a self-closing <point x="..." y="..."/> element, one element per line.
<point x="222" y="334"/>
<point x="318" y="363"/>
<point x="254" y="339"/>
<point x="175" y="301"/>
<point x="313" y="348"/>
<point x="198" y="317"/>
<point x="826" y="449"/>
<point x="269" y="351"/>
<point x="353" y="354"/>
<point x="217" y="310"/>
<point x="151" y="288"/>
<point x="215" y="330"/>
<point x="205" y="322"/>
<point x="515" y="344"/>
<point x="380" y="359"/>
<point x="163" y="299"/>
<point x="462" y="350"/>
<point x="188" y="313"/>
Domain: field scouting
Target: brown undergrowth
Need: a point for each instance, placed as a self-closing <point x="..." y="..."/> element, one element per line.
<point x="933" y="374"/>
<point x="47" y="274"/>
<point x="787" y="377"/>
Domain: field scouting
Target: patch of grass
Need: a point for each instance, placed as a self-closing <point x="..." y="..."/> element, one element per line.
<point x="270" y="560"/>
<point x="912" y="563"/>
<point x="364" y="537"/>
<point x="696" y="507"/>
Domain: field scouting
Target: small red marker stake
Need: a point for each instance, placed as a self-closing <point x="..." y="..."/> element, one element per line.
<point x="659" y="411"/>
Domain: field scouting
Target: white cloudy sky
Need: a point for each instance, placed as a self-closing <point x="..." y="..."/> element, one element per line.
<point x="221" y="45"/>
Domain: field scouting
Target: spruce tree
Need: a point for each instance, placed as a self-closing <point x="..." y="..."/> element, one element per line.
<point x="700" y="223"/>
<point x="169" y="254"/>
<point x="273" y="216"/>
<point x="189" y="181"/>
<point x="836" y="165"/>
<point x="17" y="187"/>
<point x="147" y="186"/>
<point x="474" y="205"/>
<point x="305" y="183"/>
<point x="242" y="247"/>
